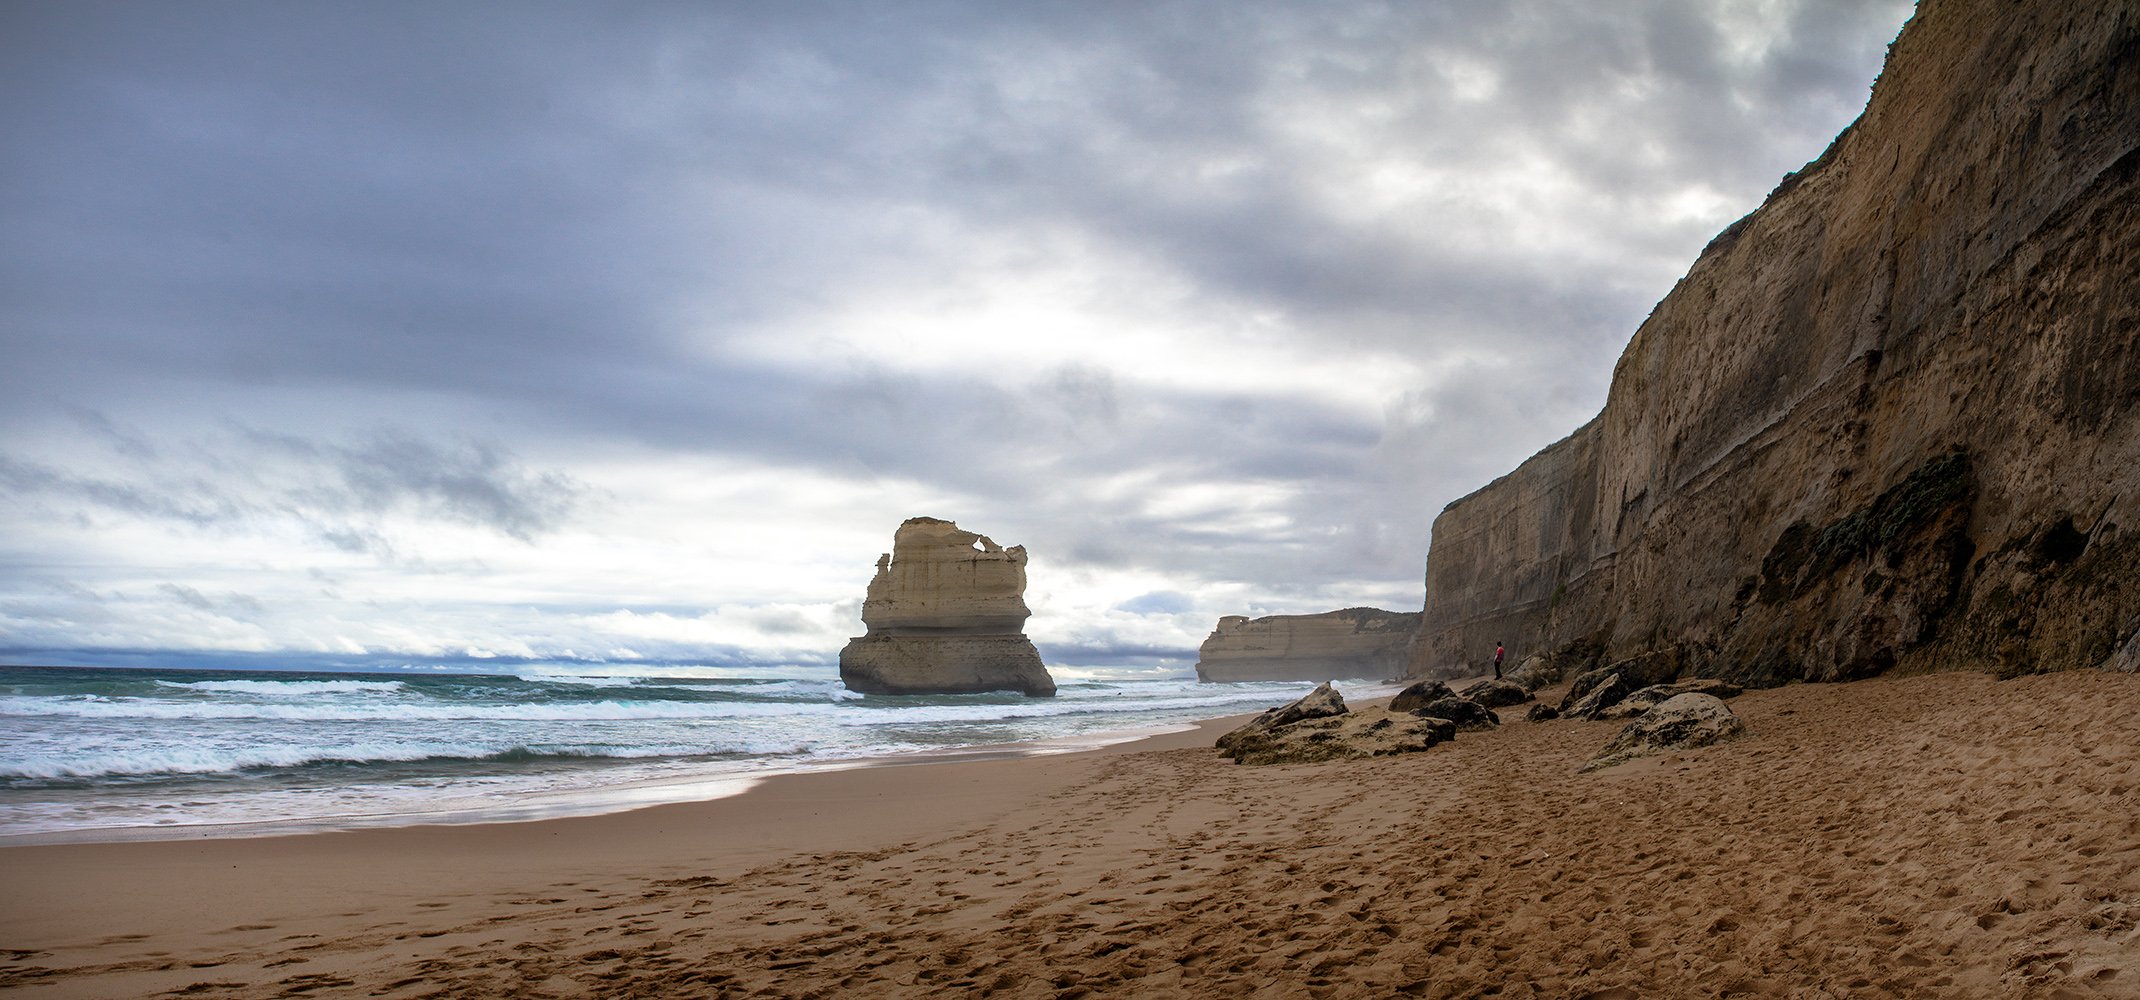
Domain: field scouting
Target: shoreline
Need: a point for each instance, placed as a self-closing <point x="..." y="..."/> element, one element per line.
<point x="605" y="783"/>
<point x="1941" y="835"/>
<point x="99" y="898"/>
<point x="602" y="800"/>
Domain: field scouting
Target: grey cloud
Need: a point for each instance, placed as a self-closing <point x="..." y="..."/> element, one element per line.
<point x="190" y="500"/>
<point x="76" y="592"/>
<point x="1102" y="652"/>
<point x="1258" y="235"/>
<point x="968" y="430"/>
<point x="254" y="194"/>
<point x="357" y="541"/>
<point x="494" y="204"/>
<point x="471" y="482"/>
<point x="474" y="483"/>
<point x="127" y="442"/>
<point x="187" y="596"/>
<point x="787" y="623"/>
<point x="556" y="218"/>
<point x="1159" y="602"/>
<point x="223" y="605"/>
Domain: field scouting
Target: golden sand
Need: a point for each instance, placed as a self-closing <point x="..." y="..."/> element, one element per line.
<point x="1944" y="836"/>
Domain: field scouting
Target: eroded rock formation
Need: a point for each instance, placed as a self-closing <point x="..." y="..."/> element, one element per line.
<point x="1679" y="723"/>
<point x="1889" y="420"/>
<point x="1319" y="727"/>
<point x="1356" y="643"/>
<point x="945" y="615"/>
<point x="1465" y="714"/>
<point x="1640" y="702"/>
<point x="2127" y="660"/>
<point x="1496" y="693"/>
<point x="1420" y="695"/>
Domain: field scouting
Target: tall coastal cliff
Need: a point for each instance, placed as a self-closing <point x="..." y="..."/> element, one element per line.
<point x="1889" y="420"/>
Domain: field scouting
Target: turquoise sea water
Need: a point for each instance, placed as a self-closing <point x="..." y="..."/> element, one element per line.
<point x="106" y="753"/>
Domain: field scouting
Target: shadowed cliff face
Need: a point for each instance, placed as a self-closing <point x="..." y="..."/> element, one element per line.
<point x="1889" y="420"/>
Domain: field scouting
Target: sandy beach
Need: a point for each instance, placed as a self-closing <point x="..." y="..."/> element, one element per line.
<point x="1934" y="836"/>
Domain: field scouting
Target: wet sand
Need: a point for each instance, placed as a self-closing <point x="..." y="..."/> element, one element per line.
<point x="1917" y="837"/>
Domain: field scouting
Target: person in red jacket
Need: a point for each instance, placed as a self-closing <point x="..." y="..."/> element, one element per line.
<point x="1497" y="660"/>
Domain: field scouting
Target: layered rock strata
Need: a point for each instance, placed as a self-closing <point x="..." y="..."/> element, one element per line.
<point x="1356" y="643"/>
<point x="945" y="614"/>
<point x="1889" y="420"/>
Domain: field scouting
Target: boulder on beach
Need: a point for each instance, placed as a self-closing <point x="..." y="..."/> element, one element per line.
<point x="1682" y="722"/>
<point x="1536" y="671"/>
<point x="1583" y="684"/>
<point x="1589" y="701"/>
<point x="1658" y="666"/>
<point x="1322" y="702"/>
<point x="1319" y="727"/>
<point x="1468" y="715"/>
<point x="1657" y="694"/>
<point x="1411" y="698"/>
<point x="1497" y="693"/>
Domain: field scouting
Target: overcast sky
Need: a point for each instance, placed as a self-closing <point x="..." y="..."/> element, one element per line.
<point x="380" y="334"/>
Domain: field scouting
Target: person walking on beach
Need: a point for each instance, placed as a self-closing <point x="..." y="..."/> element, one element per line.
<point x="1497" y="660"/>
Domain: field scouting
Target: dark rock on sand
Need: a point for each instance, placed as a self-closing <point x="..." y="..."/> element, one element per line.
<point x="2127" y="659"/>
<point x="1680" y="723"/>
<point x="1468" y="715"/>
<point x="1412" y="698"/>
<point x="1583" y="684"/>
<point x="1660" y="666"/>
<point x="1604" y="693"/>
<point x="1318" y="727"/>
<point x="1441" y="730"/>
<point x="1498" y="693"/>
<point x="1541" y="712"/>
<point x="1657" y="694"/>
<point x="1534" y="672"/>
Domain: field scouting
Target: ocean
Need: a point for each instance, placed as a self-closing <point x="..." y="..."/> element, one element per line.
<point x="106" y="754"/>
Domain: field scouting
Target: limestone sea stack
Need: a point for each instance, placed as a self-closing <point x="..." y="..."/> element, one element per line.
<point x="945" y="614"/>
<point x="1356" y="643"/>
